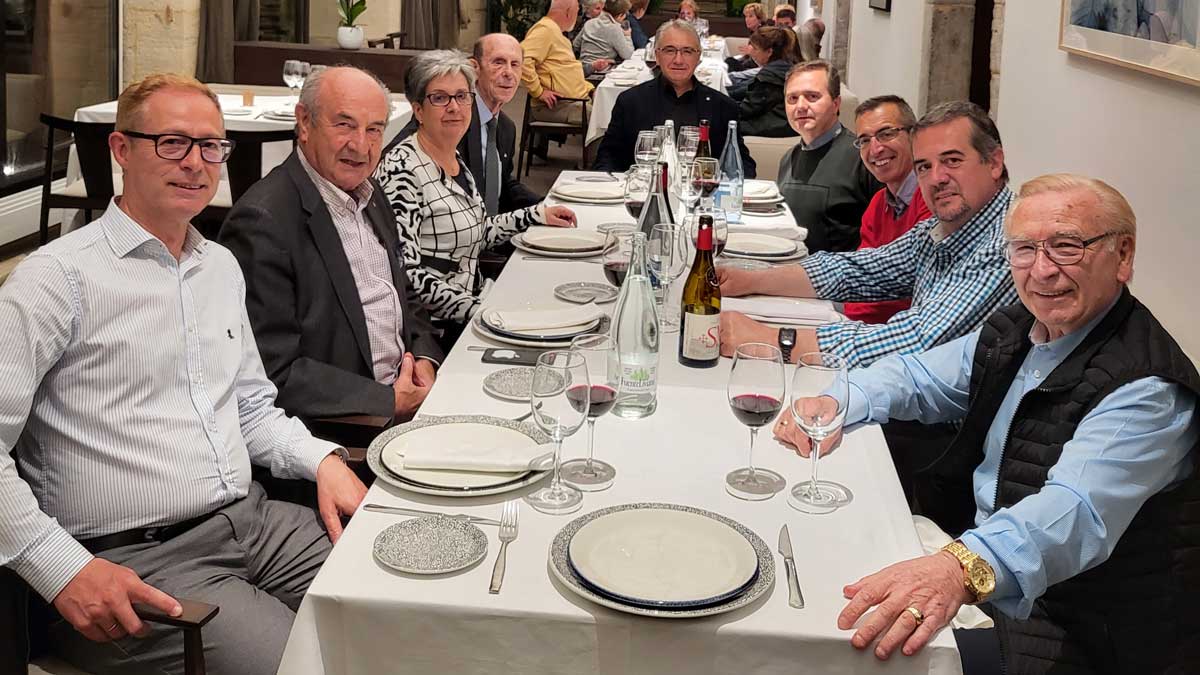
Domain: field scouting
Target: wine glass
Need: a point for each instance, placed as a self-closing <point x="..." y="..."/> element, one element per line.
<point x="560" y="396"/>
<point x="667" y="255"/>
<point x="646" y="149"/>
<point x="820" y="391"/>
<point x="618" y="246"/>
<point x="707" y="176"/>
<point x="720" y="225"/>
<point x="302" y="74"/>
<point x="604" y="375"/>
<point x="689" y="189"/>
<point x="756" y="390"/>
<point x="637" y="188"/>
<point x="291" y="74"/>
<point x="689" y="140"/>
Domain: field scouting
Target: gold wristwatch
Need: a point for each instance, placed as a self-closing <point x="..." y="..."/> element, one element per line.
<point x="978" y="576"/>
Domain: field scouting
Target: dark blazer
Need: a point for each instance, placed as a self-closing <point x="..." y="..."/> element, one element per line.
<point x="513" y="194"/>
<point x="762" y="110"/>
<point x="648" y="104"/>
<point x="303" y="303"/>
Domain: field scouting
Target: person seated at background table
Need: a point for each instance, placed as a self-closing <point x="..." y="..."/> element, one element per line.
<point x="135" y="401"/>
<point x="492" y="135"/>
<point x="637" y="9"/>
<point x="674" y="94"/>
<point x="588" y="10"/>
<point x="550" y="69"/>
<point x="811" y="33"/>
<point x="338" y="327"/>
<point x="688" y="11"/>
<point x="762" y="111"/>
<point x="439" y="213"/>
<point x="1079" y="437"/>
<point x="822" y="177"/>
<point x="603" y="39"/>
<point x="755" y="17"/>
<point x="785" y="16"/>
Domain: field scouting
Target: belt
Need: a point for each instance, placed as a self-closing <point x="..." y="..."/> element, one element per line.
<point x="142" y="535"/>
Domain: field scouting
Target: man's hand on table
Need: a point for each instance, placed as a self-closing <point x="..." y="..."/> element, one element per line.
<point x="932" y="584"/>
<point x="601" y="65"/>
<point x="339" y="492"/>
<point x="788" y="433"/>
<point x="737" y="329"/>
<point x="559" y="216"/>
<point x="98" y="601"/>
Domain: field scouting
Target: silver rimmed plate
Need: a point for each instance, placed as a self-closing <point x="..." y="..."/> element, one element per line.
<point x="518" y="242"/>
<point x="446" y="431"/>
<point x="510" y="384"/>
<point x="563" y="239"/>
<point x="763" y="245"/>
<point x="483" y="331"/>
<point x="541" y="334"/>
<point x="560" y="566"/>
<point x="801" y="252"/>
<point x="583" y="292"/>
<point x="430" y="545"/>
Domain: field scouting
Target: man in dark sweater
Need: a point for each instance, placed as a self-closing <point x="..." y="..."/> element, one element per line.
<point x="822" y="178"/>
<point x="1079" y="437"/>
<point x="675" y="94"/>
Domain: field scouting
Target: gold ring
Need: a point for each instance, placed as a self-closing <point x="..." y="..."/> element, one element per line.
<point x="917" y="614"/>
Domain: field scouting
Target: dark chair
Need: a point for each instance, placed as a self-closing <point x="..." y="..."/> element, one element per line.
<point x="95" y="166"/>
<point x="244" y="168"/>
<point x="530" y="126"/>
<point x="390" y="41"/>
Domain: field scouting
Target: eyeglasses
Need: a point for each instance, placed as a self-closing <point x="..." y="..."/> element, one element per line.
<point x="883" y="136"/>
<point x="1061" y="250"/>
<point x="441" y="99"/>
<point x="178" y="146"/>
<point x="672" y="52"/>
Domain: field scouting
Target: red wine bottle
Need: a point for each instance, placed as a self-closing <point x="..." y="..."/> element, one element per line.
<point x="704" y="147"/>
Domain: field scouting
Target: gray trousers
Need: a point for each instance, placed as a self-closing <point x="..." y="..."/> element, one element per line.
<point x="255" y="559"/>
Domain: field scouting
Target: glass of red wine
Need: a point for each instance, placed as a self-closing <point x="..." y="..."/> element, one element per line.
<point x="637" y="188"/>
<point x="560" y="414"/>
<point x="757" y="386"/>
<point x="707" y="177"/>
<point x="618" y="246"/>
<point x="720" y="225"/>
<point x="604" y="383"/>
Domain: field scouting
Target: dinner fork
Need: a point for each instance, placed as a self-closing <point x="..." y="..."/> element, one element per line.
<point x="508" y="533"/>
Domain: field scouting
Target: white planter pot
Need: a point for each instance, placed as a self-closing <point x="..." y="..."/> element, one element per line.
<point x="350" y="37"/>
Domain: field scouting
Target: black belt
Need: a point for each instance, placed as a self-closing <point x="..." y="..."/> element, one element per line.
<point x="142" y="535"/>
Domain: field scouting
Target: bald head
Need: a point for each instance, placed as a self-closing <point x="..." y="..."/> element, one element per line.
<point x="563" y="12"/>
<point x="340" y="121"/>
<point x="497" y="59"/>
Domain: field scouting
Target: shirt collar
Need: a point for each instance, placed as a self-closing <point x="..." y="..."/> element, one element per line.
<point x="1066" y="344"/>
<point x="824" y="139"/>
<point x="900" y="201"/>
<point x="125" y="235"/>
<point x="979" y="227"/>
<point x="485" y="115"/>
<point x="669" y="89"/>
<point x="332" y="195"/>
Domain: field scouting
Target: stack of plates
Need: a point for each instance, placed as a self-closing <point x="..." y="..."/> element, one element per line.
<point x="762" y="247"/>
<point x="386" y="454"/>
<point x="590" y="193"/>
<point x="761" y="198"/>
<point x="558" y="242"/>
<point x="281" y="114"/>
<point x="662" y="560"/>
<point x="487" y="325"/>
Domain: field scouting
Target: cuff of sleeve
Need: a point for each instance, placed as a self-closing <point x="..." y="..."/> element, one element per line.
<point x="858" y="409"/>
<point x="309" y="453"/>
<point x="435" y="362"/>
<point x="1007" y="588"/>
<point x="50" y="563"/>
<point x="816" y="272"/>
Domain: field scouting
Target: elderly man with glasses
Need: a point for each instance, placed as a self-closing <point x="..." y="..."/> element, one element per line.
<point x="1080" y="440"/>
<point x="136" y="401"/>
<point x="675" y="94"/>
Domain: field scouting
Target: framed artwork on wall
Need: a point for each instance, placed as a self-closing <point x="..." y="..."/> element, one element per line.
<point x="1158" y="38"/>
<point x="881" y="5"/>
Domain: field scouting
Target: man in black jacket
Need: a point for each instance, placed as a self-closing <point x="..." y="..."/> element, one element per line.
<point x="674" y="94"/>
<point x="339" y="331"/>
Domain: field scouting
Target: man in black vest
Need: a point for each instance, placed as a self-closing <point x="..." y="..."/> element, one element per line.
<point x="1079" y="437"/>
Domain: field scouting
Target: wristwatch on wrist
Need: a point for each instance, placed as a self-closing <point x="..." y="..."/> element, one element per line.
<point x="978" y="576"/>
<point x="787" y="340"/>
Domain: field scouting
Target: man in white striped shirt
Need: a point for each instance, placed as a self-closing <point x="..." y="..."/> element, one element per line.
<point x="136" y="401"/>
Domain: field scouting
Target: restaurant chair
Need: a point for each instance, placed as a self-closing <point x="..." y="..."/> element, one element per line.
<point x="355" y="433"/>
<point x="244" y="169"/>
<point x="98" y="183"/>
<point x="393" y="40"/>
<point x="530" y="126"/>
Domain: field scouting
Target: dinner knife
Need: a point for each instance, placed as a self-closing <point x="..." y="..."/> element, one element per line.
<point x="795" y="597"/>
<point x="402" y="511"/>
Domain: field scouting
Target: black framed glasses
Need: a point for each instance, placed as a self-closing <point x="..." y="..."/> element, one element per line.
<point x="672" y="52"/>
<point x="441" y="99"/>
<point x="883" y="136"/>
<point x="177" y="146"/>
<point x="1061" y="250"/>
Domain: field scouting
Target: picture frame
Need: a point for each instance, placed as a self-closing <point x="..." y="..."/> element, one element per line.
<point x="1165" y="43"/>
<point x="881" y="5"/>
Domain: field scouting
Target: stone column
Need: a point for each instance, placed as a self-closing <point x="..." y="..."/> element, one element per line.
<point x="997" y="43"/>
<point x="947" y="63"/>
<point x="159" y="36"/>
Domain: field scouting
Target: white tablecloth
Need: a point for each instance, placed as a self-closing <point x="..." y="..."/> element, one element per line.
<point x="359" y="617"/>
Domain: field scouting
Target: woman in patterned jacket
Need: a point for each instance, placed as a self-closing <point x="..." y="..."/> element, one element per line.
<point x="439" y="212"/>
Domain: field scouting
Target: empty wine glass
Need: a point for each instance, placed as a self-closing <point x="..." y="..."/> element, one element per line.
<point x="820" y="392"/>
<point x="560" y="396"/>
<point x="637" y="188"/>
<point x="667" y="255"/>
<point x="291" y="74"/>
<point x="618" y="246"/>
<point x="302" y="74"/>
<point x="689" y="190"/>
<point x="604" y="375"/>
<point x="689" y="140"/>
<point x="646" y="149"/>
<point x="756" y="390"/>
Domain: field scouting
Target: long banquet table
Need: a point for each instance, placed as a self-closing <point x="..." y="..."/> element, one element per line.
<point x="360" y="617"/>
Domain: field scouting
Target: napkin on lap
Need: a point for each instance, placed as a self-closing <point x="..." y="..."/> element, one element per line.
<point x="480" y="456"/>
<point x="932" y="540"/>
<point x="773" y="307"/>
<point x="533" y="319"/>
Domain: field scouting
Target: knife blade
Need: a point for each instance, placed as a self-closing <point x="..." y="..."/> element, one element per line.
<point x="402" y="511"/>
<point x="795" y="597"/>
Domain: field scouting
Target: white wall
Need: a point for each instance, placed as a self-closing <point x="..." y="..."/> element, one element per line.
<point x="1136" y="131"/>
<point x="885" y="50"/>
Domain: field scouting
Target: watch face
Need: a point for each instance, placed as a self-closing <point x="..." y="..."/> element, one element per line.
<point x="983" y="581"/>
<point x="787" y="337"/>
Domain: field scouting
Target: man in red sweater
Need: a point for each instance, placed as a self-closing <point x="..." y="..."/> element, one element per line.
<point x="882" y="124"/>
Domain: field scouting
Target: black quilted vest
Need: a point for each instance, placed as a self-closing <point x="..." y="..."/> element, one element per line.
<point x="1139" y="611"/>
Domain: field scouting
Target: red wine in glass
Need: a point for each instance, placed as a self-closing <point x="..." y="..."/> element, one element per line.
<point x="603" y="398"/>
<point x="754" y="410"/>
<point x="615" y="272"/>
<point x="634" y="207"/>
<point x="706" y="186"/>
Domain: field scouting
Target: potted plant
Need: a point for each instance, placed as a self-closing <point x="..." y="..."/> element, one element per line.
<point x="350" y="36"/>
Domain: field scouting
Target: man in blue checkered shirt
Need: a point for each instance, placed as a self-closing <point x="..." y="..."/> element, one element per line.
<point x="952" y="265"/>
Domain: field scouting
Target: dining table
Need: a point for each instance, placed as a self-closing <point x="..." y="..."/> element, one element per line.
<point x="360" y="616"/>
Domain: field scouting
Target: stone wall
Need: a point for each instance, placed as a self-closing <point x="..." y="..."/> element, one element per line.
<point x="158" y="36"/>
<point x="78" y="34"/>
<point x="951" y="34"/>
<point x="996" y="51"/>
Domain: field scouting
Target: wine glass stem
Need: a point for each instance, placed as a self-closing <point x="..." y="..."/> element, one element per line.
<point x="750" y="461"/>
<point x="816" y="455"/>
<point x="555" y="482"/>
<point x="591" y="435"/>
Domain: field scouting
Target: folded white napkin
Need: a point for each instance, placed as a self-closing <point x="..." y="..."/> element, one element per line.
<point x="759" y="188"/>
<point x="533" y="319"/>
<point x="480" y="456"/>
<point x="775" y="227"/>
<point x="932" y="540"/>
<point x="773" y="307"/>
<point x="591" y="190"/>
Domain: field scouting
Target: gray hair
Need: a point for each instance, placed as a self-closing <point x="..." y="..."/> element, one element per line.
<point x="677" y="24"/>
<point x="586" y="4"/>
<point x="310" y="94"/>
<point x="1112" y="209"/>
<point x="429" y="66"/>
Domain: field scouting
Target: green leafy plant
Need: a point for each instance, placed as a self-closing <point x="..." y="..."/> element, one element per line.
<point x="518" y="15"/>
<point x="350" y="10"/>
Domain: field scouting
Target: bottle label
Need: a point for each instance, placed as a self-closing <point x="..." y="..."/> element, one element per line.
<point x="701" y="335"/>
<point x="638" y="379"/>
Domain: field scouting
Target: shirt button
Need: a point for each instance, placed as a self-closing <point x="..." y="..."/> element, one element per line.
<point x="1037" y="374"/>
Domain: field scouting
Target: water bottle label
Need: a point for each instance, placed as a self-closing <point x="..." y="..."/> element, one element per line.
<point x="701" y="336"/>
<point x="638" y="379"/>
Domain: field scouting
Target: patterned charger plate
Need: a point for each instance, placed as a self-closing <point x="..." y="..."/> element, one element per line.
<point x="430" y="545"/>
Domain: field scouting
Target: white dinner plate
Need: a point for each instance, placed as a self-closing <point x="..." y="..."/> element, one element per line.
<point x="801" y="252"/>
<point x="430" y="545"/>
<point x="553" y="333"/>
<point x="563" y="240"/>
<point x="241" y="111"/>
<point x="590" y="192"/>
<point x="748" y="243"/>
<point x="482" y="331"/>
<point x="518" y="242"/>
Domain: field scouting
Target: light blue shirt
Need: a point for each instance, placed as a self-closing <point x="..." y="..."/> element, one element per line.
<point x="485" y="116"/>
<point x="1131" y="446"/>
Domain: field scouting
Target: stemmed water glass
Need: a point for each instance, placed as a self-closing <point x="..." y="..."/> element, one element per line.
<point x="292" y="75"/>
<point x="604" y="375"/>
<point x="637" y="188"/>
<point x="646" y="149"/>
<point x="820" y="392"/>
<point x="756" y="391"/>
<point x="560" y="396"/>
<point x="667" y="254"/>
<point x="689" y="141"/>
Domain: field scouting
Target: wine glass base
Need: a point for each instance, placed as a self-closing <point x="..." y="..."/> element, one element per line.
<point x="762" y="484"/>
<point x="828" y="498"/>
<point x="589" y="479"/>
<point x="556" y="501"/>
